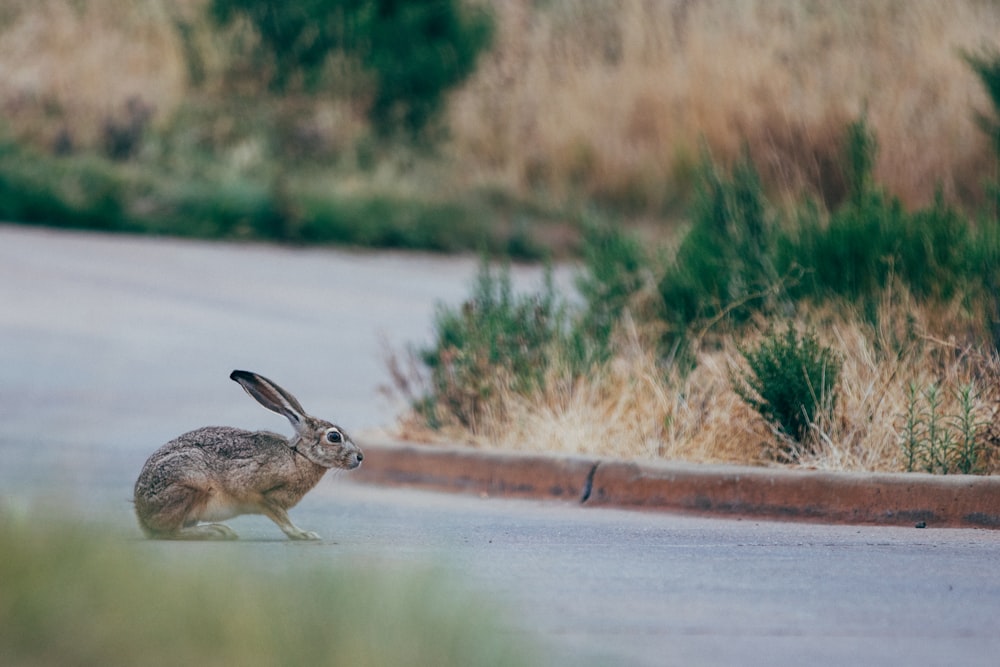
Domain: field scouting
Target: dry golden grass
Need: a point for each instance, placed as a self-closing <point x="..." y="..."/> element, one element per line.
<point x="613" y="97"/>
<point x="67" y="67"/>
<point x="609" y="99"/>
<point x="635" y="408"/>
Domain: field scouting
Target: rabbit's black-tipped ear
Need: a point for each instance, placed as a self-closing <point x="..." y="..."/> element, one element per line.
<point x="271" y="396"/>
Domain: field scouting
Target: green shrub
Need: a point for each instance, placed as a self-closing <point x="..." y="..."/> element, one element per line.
<point x="496" y="341"/>
<point x="415" y="51"/>
<point x="790" y="383"/>
<point x="615" y="268"/>
<point x="986" y="65"/>
<point x="80" y="192"/>
<point x="499" y="342"/>
<point x="722" y="268"/>
<point x="870" y="240"/>
<point x="935" y="251"/>
<point x="851" y="254"/>
<point x="418" y="51"/>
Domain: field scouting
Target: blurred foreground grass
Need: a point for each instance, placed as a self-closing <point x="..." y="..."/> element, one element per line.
<point x="73" y="594"/>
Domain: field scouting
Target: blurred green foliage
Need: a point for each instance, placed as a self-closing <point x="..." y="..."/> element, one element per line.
<point x="870" y="239"/>
<point x="80" y="191"/>
<point x="415" y="50"/>
<point x="88" y="192"/>
<point x="723" y="266"/>
<point x="616" y="266"/>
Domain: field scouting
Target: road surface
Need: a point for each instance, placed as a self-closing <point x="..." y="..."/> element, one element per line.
<point x="109" y="346"/>
<point x="112" y="344"/>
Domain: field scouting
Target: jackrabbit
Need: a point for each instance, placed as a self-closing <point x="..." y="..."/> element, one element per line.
<point x="217" y="472"/>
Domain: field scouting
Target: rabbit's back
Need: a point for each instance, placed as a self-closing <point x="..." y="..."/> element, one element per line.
<point x="225" y="443"/>
<point x="228" y="459"/>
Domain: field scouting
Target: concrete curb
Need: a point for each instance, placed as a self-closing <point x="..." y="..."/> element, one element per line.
<point x="964" y="501"/>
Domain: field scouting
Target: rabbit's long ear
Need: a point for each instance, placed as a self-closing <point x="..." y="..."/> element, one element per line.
<point x="272" y="397"/>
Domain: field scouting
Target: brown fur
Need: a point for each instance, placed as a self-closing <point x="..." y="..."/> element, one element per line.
<point x="217" y="472"/>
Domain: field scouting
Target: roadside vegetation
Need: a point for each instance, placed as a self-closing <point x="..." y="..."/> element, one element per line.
<point x="296" y="123"/>
<point x="863" y="337"/>
<point x="786" y="213"/>
<point x="80" y="594"/>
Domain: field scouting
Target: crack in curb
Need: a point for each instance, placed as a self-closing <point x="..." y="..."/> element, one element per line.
<point x="588" y="485"/>
<point x="841" y="498"/>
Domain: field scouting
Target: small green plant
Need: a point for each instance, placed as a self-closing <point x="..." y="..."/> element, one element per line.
<point x="967" y="428"/>
<point x="940" y="443"/>
<point x="616" y="267"/>
<point x="790" y="383"/>
<point x="910" y="437"/>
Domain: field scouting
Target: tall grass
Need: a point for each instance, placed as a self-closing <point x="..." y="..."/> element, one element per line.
<point x="73" y="594"/>
<point x="612" y="98"/>
<point x="67" y="68"/>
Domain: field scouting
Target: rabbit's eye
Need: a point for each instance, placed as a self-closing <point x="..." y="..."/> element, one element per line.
<point x="336" y="437"/>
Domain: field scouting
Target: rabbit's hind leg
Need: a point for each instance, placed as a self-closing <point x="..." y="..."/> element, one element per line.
<point x="175" y="515"/>
<point x="199" y="507"/>
<point x="204" y="531"/>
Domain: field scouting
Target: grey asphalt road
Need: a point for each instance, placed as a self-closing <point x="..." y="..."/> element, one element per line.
<point x="615" y="587"/>
<point x="109" y="346"/>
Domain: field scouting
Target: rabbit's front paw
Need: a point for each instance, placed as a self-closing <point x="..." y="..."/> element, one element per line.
<point x="304" y="535"/>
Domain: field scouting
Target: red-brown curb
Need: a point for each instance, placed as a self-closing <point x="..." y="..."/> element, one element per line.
<point x="857" y="498"/>
<point x="474" y="471"/>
